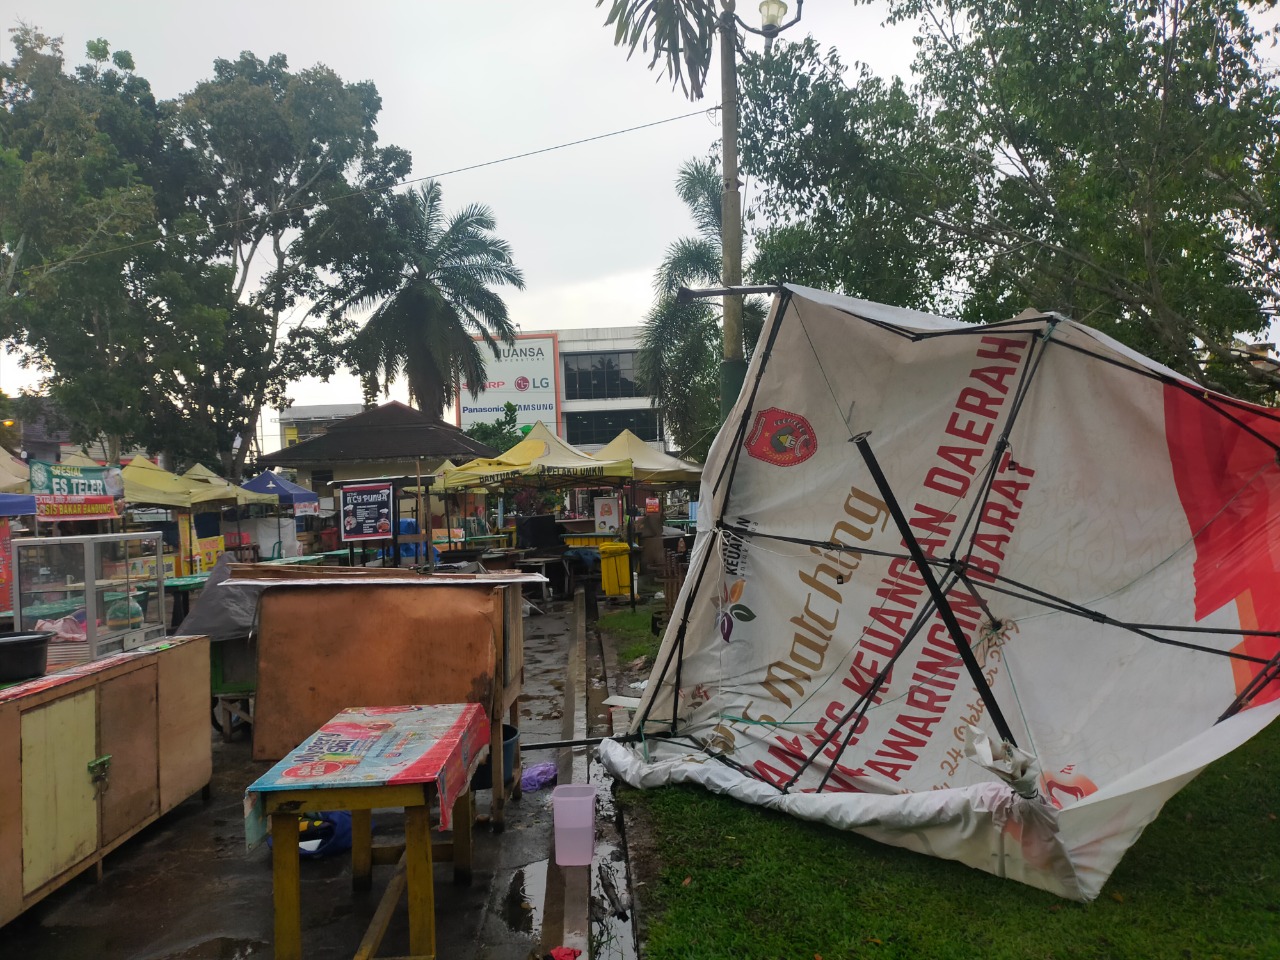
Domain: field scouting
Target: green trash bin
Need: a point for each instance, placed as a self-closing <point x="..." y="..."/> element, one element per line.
<point x="615" y="568"/>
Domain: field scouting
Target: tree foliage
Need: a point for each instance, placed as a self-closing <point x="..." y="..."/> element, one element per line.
<point x="1114" y="162"/>
<point x="158" y="258"/>
<point x="680" y="34"/>
<point x="678" y="363"/>
<point x="433" y="287"/>
<point x="501" y="434"/>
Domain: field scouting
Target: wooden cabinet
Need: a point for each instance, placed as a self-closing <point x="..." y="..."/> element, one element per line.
<point x="327" y="641"/>
<point x="91" y="755"/>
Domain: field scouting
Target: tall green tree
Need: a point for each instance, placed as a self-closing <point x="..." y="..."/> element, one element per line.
<point x="432" y="289"/>
<point x="80" y="253"/>
<point x="279" y="154"/>
<point x="1115" y="162"/>
<point x="680" y="343"/>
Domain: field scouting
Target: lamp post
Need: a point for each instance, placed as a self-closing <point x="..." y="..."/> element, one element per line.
<point x="733" y="366"/>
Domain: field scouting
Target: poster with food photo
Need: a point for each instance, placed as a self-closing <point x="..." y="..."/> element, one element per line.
<point x="366" y="511"/>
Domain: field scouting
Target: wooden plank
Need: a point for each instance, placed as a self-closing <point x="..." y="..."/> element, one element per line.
<point x="59" y="805"/>
<point x="185" y="749"/>
<point x="382" y="915"/>
<point x="343" y="798"/>
<point x="321" y="650"/>
<point x="10" y="811"/>
<point x="286" y="886"/>
<point x="127" y="730"/>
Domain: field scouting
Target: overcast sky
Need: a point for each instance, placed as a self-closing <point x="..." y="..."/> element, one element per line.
<point x="473" y="81"/>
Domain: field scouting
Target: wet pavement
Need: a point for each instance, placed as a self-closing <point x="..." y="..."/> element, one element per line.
<point x="186" y="889"/>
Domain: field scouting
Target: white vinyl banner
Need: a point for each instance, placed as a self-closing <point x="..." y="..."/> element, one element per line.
<point x="524" y="374"/>
<point x="1098" y="589"/>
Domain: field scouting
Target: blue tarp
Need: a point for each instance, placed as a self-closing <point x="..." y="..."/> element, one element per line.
<point x="17" y="505"/>
<point x="288" y="491"/>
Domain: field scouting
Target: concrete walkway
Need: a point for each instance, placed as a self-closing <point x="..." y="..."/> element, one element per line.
<point x="185" y="889"/>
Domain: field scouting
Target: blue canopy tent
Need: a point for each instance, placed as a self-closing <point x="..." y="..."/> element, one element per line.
<point x="290" y="493"/>
<point x="16" y="505"/>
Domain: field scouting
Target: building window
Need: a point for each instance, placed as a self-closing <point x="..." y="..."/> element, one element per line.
<point x="601" y="426"/>
<point x="600" y="376"/>
<point x="320" y="479"/>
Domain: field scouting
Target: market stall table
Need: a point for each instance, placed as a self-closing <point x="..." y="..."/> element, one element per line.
<point x="362" y="759"/>
<point x="181" y="588"/>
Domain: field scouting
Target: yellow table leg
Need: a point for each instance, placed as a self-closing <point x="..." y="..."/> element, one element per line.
<point x="418" y="868"/>
<point x="286" y="886"/>
<point x="361" y="849"/>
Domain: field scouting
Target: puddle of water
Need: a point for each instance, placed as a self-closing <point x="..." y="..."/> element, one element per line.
<point x="613" y="934"/>
<point x="521" y="907"/>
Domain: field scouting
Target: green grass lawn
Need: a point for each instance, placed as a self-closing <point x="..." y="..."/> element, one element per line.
<point x="737" y="882"/>
<point x="632" y="632"/>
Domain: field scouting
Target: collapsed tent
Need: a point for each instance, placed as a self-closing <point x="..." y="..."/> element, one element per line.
<point x="992" y="593"/>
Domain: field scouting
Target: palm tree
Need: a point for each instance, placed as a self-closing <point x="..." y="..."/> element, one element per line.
<point x="679" y="31"/>
<point x="435" y="303"/>
<point x="678" y="363"/>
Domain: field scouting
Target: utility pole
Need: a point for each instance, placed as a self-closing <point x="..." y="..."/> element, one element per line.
<point x="733" y="368"/>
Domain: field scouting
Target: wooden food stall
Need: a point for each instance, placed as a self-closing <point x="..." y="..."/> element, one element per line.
<point x="91" y="755"/>
<point x="332" y="638"/>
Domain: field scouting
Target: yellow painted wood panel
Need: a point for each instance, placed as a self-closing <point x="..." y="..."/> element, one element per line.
<point x="10" y="812"/>
<point x="127" y="731"/>
<point x="59" y="808"/>
<point x="185" y="744"/>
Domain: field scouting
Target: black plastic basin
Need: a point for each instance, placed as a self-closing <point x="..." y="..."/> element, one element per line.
<point x="24" y="655"/>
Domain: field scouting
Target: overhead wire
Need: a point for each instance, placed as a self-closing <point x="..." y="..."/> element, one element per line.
<point x="409" y="181"/>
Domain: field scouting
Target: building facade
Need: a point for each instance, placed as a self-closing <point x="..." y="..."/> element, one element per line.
<point x="581" y="383"/>
<point x="298" y="423"/>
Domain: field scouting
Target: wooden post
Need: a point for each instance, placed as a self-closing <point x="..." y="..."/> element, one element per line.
<point x="418" y="868"/>
<point x="361" y="849"/>
<point x="287" y="886"/>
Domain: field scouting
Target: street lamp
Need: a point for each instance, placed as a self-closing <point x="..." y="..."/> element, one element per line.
<point x="733" y="367"/>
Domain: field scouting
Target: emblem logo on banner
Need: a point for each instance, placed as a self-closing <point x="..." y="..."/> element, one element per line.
<point x="781" y="438"/>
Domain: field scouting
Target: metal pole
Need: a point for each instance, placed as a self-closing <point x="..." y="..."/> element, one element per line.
<point x="931" y="583"/>
<point x="733" y="367"/>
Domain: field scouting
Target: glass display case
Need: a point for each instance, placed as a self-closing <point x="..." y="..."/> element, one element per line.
<point x="99" y="594"/>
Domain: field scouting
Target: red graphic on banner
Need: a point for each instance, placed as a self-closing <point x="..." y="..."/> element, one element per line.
<point x="781" y="438"/>
<point x="1230" y="491"/>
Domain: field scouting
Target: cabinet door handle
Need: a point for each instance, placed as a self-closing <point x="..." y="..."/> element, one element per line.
<point x="99" y="768"/>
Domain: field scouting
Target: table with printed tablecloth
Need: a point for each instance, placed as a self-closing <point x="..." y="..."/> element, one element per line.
<point x="362" y="759"/>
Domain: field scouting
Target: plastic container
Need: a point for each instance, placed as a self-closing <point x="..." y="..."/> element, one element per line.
<point x="615" y="568"/>
<point x="586" y="539"/>
<point x="24" y="656"/>
<point x="483" y="777"/>
<point x="574" y="814"/>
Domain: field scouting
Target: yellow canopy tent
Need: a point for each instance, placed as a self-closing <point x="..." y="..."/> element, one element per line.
<point x="540" y="459"/>
<point x="13" y="474"/>
<point x="209" y="489"/>
<point x="147" y="484"/>
<point x="79" y="459"/>
<point x="648" y="465"/>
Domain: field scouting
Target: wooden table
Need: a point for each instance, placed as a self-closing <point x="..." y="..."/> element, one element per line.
<point x="362" y="759"/>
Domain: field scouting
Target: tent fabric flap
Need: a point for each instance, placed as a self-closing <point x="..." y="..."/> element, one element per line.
<point x="991" y="592"/>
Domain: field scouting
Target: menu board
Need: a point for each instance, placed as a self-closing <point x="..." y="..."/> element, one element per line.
<point x="365" y="510"/>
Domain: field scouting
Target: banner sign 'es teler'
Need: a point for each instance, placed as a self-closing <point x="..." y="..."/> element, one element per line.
<point x="71" y="492"/>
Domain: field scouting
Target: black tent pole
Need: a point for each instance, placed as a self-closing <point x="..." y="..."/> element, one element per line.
<point x="944" y="607"/>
